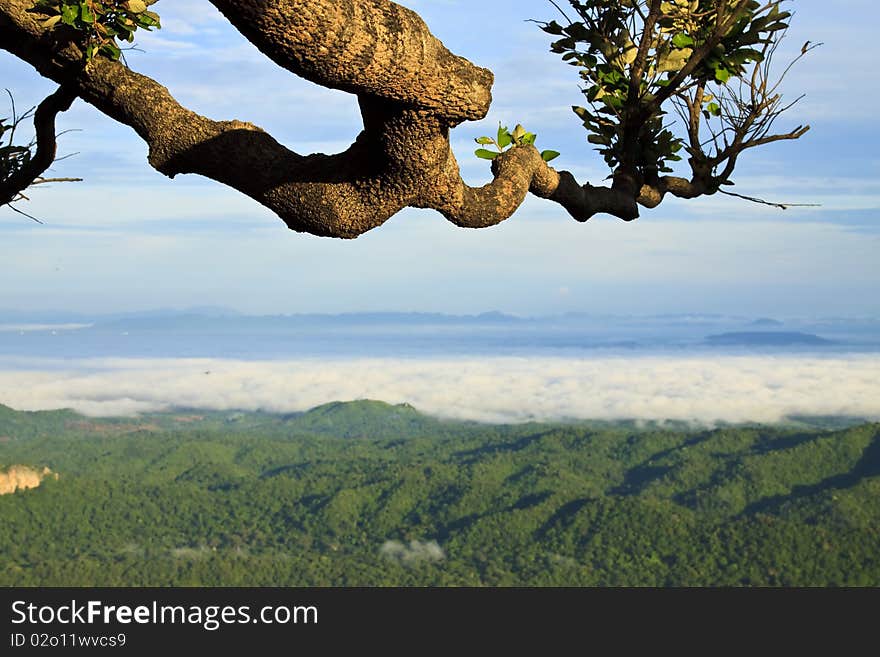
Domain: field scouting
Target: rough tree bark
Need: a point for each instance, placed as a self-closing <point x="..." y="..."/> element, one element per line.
<point x="411" y="91"/>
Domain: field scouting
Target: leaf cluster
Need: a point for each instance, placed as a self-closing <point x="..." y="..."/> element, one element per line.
<point x="505" y="139"/>
<point x="103" y="23"/>
<point x="634" y="55"/>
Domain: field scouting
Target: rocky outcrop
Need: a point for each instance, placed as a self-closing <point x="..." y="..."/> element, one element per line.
<point x="22" y="477"/>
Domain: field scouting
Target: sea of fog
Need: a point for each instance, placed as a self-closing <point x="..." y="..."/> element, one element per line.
<point x="491" y="367"/>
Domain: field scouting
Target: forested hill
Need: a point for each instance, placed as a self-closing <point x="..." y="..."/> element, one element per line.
<point x="372" y="494"/>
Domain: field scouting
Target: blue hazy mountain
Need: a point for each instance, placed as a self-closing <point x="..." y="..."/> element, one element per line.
<point x="767" y="322"/>
<point x="223" y="333"/>
<point x="768" y="339"/>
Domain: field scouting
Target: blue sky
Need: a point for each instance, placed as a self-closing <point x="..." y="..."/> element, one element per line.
<point x="193" y="242"/>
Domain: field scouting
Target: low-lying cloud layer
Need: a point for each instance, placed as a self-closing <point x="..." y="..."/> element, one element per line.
<point x="691" y="388"/>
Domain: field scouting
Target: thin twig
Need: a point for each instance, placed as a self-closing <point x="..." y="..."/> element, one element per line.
<point x="41" y="181"/>
<point x="15" y="209"/>
<point x="559" y="9"/>
<point x="781" y="206"/>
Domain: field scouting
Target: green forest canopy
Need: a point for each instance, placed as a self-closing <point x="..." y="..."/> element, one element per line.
<point x="370" y="494"/>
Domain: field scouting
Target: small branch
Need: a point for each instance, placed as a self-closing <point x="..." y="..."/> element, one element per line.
<point x="46" y="147"/>
<point x="781" y="206"/>
<point x="15" y="209"/>
<point x="559" y="9"/>
<point x="637" y="70"/>
<point x="43" y="181"/>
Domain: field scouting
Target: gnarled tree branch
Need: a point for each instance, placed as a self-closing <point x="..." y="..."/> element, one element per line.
<point x="411" y="91"/>
<point x="371" y="47"/>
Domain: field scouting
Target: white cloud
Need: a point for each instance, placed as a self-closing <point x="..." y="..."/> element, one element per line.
<point x="414" y="552"/>
<point x="698" y="388"/>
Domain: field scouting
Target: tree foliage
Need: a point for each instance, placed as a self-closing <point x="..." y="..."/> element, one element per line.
<point x="103" y="25"/>
<point x="706" y="59"/>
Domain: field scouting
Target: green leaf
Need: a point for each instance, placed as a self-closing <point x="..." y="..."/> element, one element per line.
<point x="148" y="19"/>
<point x="485" y="141"/>
<point x="722" y="75"/>
<point x="552" y="28"/>
<point x="69" y="14"/>
<point x="85" y="14"/>
<point x="111" y="50"/>
<point x="548" y="156"/>
<point x="482" y="153"/>
<point x="504" y="138"/>
<point x="136" y="6"/>
<point x="682" y="40"/>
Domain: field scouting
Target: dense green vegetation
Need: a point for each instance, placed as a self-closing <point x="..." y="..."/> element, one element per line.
<point x="357" y="494"/>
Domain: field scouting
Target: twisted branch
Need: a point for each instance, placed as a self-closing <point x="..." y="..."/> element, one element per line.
<point x="411" y="91"/>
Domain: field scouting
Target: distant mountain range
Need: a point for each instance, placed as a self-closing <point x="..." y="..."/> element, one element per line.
<point x="767" y="339"/>
<point x="221" y="332"/>
<point x="405" y="317"/>
<point x="359" y="419"/>
<point x="353" y="419"/>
